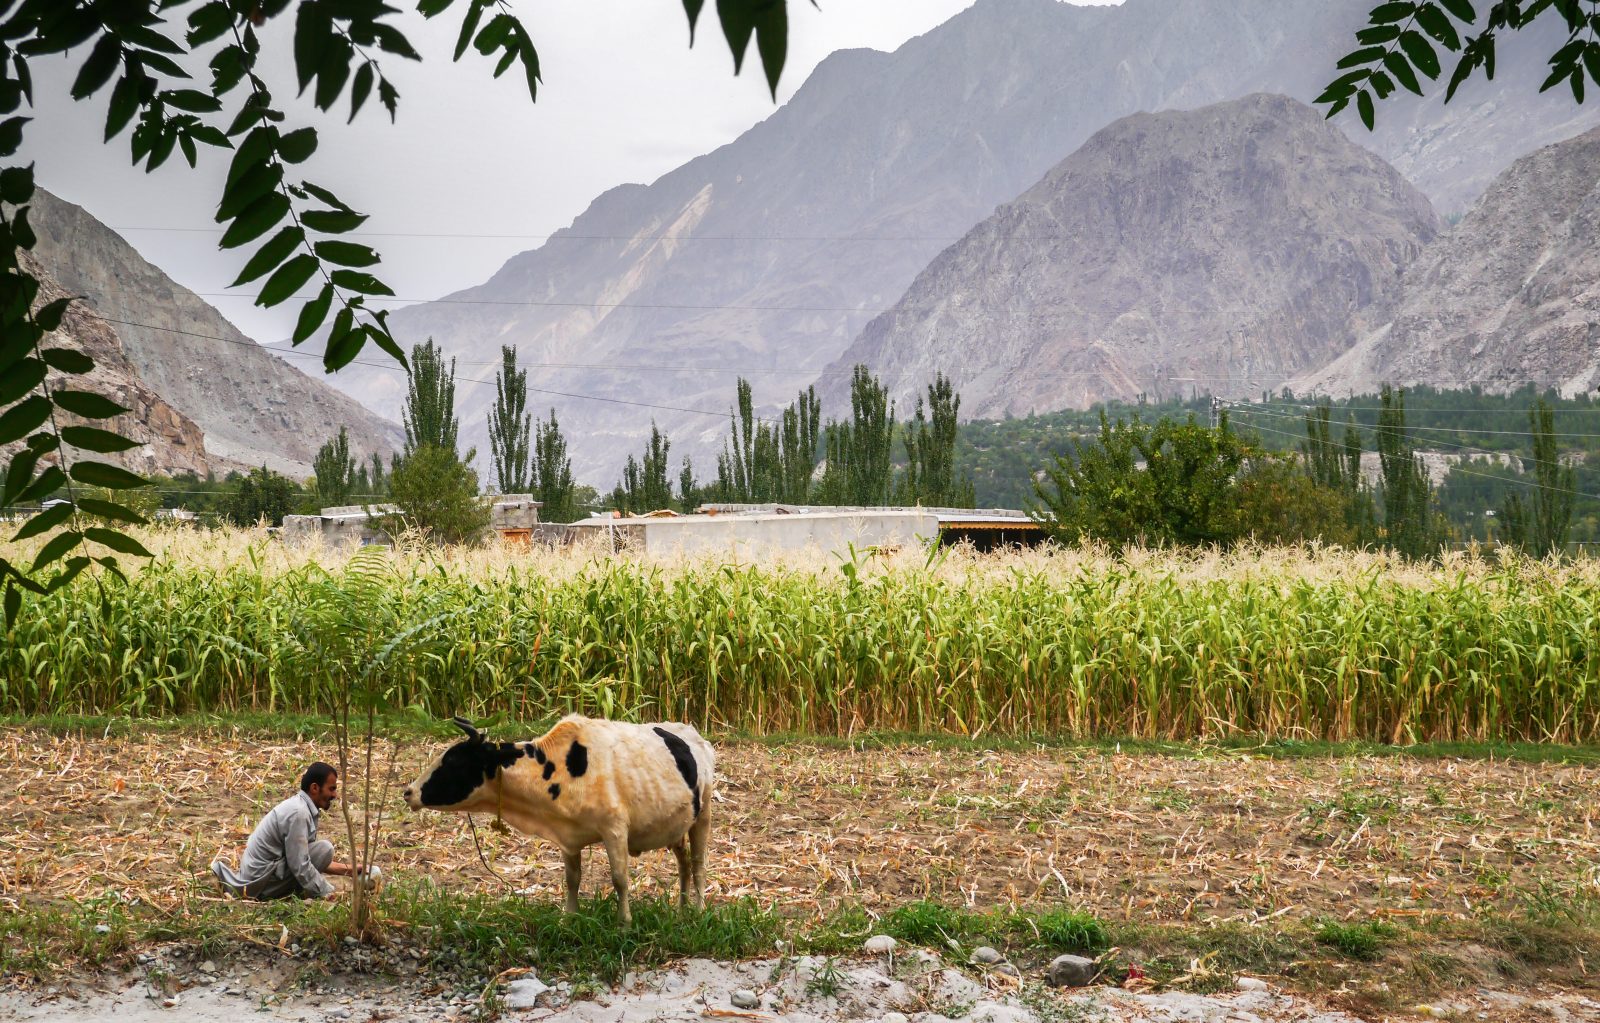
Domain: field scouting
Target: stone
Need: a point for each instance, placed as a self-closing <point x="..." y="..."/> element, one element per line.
<point x="983" y="955"/>
<point x="102" y="928"/>
<point x="1071" y="971"/>
<point x="744" y="998"/>
<point x="1007" y="969"/>
<point x="208" y="967"/>
<point x="523" y="993"/>
<point x="893" y="1017"/>
<point x="880" y="944"/>
<point x="339" y="1013"/>
<point x="1251" y="984"/>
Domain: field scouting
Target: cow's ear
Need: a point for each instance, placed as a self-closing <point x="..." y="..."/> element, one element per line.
<point x="473" y="735"/>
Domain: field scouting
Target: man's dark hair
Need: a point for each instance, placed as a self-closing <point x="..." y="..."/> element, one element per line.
<point x="317" y="774"/>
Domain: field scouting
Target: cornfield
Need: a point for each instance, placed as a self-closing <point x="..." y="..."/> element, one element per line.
<point x="1277" y="642"/>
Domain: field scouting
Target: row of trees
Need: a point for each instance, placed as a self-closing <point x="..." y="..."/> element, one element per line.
<point x="1187" y="484"/>
<point x="777" y="461"/>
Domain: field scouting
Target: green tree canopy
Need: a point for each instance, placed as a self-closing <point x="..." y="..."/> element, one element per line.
<point x="436" y="494"/>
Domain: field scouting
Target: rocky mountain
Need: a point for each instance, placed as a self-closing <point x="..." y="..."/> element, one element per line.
<point x="171" y="442"/>
<point x="1510" y="296"/>
<point x="1247" y="240"/>
<point x="179" y="354"/>
<point x="769" y="255"/>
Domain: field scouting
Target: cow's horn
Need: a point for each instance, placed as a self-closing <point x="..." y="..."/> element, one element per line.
<point x="466" y="726"/>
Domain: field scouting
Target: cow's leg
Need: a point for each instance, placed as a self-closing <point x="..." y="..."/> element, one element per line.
<point x="617" y="853"/>
<point x="699" y="833"/>
<point x="685" y="871"/>
<point x="573" y="861"/>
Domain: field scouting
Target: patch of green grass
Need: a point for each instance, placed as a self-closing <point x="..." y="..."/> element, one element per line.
<point x="1364" y="940"/>
<point x="484" y="933"/>
<point x="1064" y="930"/>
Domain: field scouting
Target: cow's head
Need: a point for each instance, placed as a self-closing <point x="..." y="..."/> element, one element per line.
<point x="459" y="778"/>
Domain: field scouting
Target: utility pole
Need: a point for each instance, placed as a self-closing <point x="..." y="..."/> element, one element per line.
<point x="1216" y="408"/>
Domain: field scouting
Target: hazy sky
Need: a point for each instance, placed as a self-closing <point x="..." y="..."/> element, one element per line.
<point x="624" y="99"/>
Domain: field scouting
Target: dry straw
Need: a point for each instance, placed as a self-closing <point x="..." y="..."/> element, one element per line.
<point x="1288" y="642"/>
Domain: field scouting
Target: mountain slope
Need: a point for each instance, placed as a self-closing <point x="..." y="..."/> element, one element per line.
<point x="769" y="255"/>
<point x="171" y="442"/>
<point x="1510" y="297"/>
<point x="1233" y="245"/>
<point x="253" y="407"/>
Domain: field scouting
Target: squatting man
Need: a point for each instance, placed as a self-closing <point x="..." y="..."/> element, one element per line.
<point x="284" y="857"/>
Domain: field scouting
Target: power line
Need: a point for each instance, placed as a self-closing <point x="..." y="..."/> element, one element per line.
<point x="1457" y="468"/>
<point x="678" y="306"/>
<point x="1254" y="406"/>
<point x="390" y="367"/>
<point x="1379" y="408"/>
<point x="599" y="237"/>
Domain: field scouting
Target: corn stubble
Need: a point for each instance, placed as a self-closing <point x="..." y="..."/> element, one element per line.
<point x="1296" y="642"/>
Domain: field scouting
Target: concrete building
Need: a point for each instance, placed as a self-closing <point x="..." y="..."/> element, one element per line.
<point x="983" y="528"/>
<point x="513" y="516"/>
<point x="753" y="533"/>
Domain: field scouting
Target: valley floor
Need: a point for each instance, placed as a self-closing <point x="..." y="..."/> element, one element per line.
<point x="1370" y="883"/>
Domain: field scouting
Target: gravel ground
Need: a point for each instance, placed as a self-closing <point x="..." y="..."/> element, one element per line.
<point x="915" y="987"/>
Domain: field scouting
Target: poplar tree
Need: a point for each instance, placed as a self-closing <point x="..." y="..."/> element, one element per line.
<point x="509" y="423"/>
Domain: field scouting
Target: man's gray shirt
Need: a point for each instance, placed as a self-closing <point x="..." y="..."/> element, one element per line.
<point x="280" y="846"/>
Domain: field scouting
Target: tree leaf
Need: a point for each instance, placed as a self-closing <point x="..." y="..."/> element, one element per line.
<point x="1399" y="10"/>
<point x="11" y="134"/>
<point x="1378" y="34"/>
<point x="273" y="252"/>
<point x="360" y="89"/>
<point x="18" y="474"/>
<point x="344" y="341"/>
<point x="13" y="601"/>
<point x="192" y="100"/>
<point x="1421" y="53"/>
<point x="692" y="9"/>
<point x="469" y="25"/>
<point x="21" y="378"/>
<point x="1364" y="108"/>
<point x="287" y="280"/>
<point x="56" y="549"/>
<point x="110" y="510"/>
<point x="98" y="68"/>
<point x="1365" y="55"/>
<point x="256" y="220"/>
<point x="49" y="316"/>
<point x="99" y="474"/>
<point x="43" y="522"/>
<point x="73" y="568"/>
<point x="47" y="482"/>
<point x="16" y="184"/>
<point x="332" y="221"/>
<point x="313" y="31"/>
<point x="1401" y="69"/>
<point x="346" y="253"/>
<point x="87" y="404"/>
<point x="1437" y="24"/>
<point x="102" y="442"/>
<point x="362" y="283"/>
<point x="1462" y="9"/>
<point x="21" y="420"/>
<point x="264" y="177"/>
<point x="772" y="42"/>
<point x="118" y="541"/>
<point x="312" y="314"/>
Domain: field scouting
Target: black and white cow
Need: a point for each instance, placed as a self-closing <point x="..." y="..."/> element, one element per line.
<point x="631" y="787"/>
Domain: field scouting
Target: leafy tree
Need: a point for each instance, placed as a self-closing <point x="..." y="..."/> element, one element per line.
<point x="379" y="480"/>
<point x="859" y="452"/>
<point x="765" y="462"/>
<point x="337" y="46"/>
<point x="644" y="486"/>
<point x="261" y="496"/>
<point x="1278" y="502"/>
<point x="436" y="493"/>
<point x="1539" y="525"/>
<point x="931" y="451"/>
<point x="509" y="423"/>
<point x="1398" y="48"/>
<point x="1408" y="516"/>
<point x="335" y="471"/>
<point x="690" y="494"/>
<point x="1335" y="468"/>
<point x="429" y="417"/>
<point x="1182" y="493"/>
<point x="552" y="472"/>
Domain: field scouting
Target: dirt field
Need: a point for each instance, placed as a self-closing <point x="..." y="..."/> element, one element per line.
<point x="1139" y="837"/>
